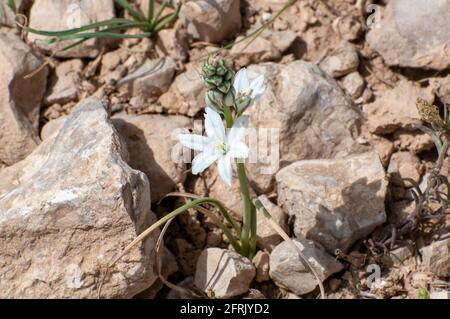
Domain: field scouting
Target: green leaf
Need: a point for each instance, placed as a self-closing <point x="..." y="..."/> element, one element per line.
<point x="81" y="29"/>
<point x="151" y="11"/>
<point x="131" y="11"/>
<point x="12" y="5"/>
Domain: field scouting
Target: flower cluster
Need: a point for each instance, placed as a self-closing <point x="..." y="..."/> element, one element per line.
<point x="225" y="92"/>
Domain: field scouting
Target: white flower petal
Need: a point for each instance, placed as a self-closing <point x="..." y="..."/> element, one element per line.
<point x="258" y="87"/>
<point x="241" y="81"/>
<point x="193" y="141"/>
<point x="237" y="132"/>
<point x="213" y="125"/>
<point x="238" y="150"/>
<point x="203" y="160"/>
<point x="224" y="169"/>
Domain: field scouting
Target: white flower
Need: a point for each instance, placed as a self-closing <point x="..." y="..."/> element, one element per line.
<point x="217" y="145"/>
<point x="247" y="92"/>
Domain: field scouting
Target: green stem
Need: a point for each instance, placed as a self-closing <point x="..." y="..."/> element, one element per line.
<point x="184" y="208"/>
<point x="247" y="215"/>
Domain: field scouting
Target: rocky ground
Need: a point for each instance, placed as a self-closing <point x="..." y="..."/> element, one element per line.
<point x="87" y="135"/>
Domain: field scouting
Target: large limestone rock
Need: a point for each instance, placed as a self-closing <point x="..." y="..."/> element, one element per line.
<point x="153" y="148"/>
<point x="335" y="202"/>
<point x="20" y="98"/>
<point x="211" y="20"/>
<point x="60" y="15"/>
<point x="68" y="209"/>
<point x="224" y="273"/>
<point x="307" y="116"/>
<point x="288" y="271"/>
<point x="414" y="33"/>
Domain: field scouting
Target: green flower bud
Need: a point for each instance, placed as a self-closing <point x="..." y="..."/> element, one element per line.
<point x="218" y="78"/>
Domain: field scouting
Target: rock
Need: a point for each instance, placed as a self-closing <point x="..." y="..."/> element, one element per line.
<point x="305" y="114"/>
<point x="151" y="79"/>
<point x="442" y="89"/>
<point x="171" y="42"/>
<point x="153" y="147"/>
<point x="261" y="262"/>
<point x="354" y="85"/>
<point x="415" y="142"/>
<point x="384" y="147"/>
<point x="436" y="257"/>
<point x="58" y="15"/>
<point x="20" y="98"/>
<point x="348" y="27"/>
<point x="64" y="84"/>
<point x="52" y="127"/>
<point x="110" y="61"/>
<point x="442" y="294"/>
<point x="420" y="31"/>
<point x="267" y="238"/>
<point x="342" y="61"/>
<point x="404" y="165"/>
<point x="396" y="108"/>
<point x="59" y="234"/>
<point x="186" y="95"/>
<point x="335" y="202"/>
<point x="224" y="273"/>
<point x="8" y="16"/>
<point x="400" y="255"/>
<point x="401" y="212"/>
<point x="211" y="21"/>
<point x="270" y="46"/>
<point x="288" y="271"/>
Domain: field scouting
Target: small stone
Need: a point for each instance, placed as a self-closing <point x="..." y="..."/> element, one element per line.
<point x="171" y="42"/>
<point x="110" y="61"/>
<point x="353" y="84"/>
<point x="186" y="95"/>
<point x="270" y="46"/>
<point x="211" y="21"/>
<point x="223" y="273"/>
<point x="64" y="85"/>
<point x="384" y="148"/>
<point x="415" y="142"/>
<point x="400" y="255"/>
<point x="436" y="257"/>
<point x="405" y="165"/>
<point x="151" y="79"/>
<point x="261" y="262"/>
<point x="348" y="27"/>
<point x="342" y="61"/>
<point x="288" y="271"/>
<point x="334" y="284"/>
<point x="335" y="202"/>
<point x="266" y="237"/>
<point x="396" y="108"/>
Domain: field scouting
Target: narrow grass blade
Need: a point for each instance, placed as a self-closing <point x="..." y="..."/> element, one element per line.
<point x="151" y="11"/>
<point x="99" y="24"/>
<point x="131" y="11"/>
